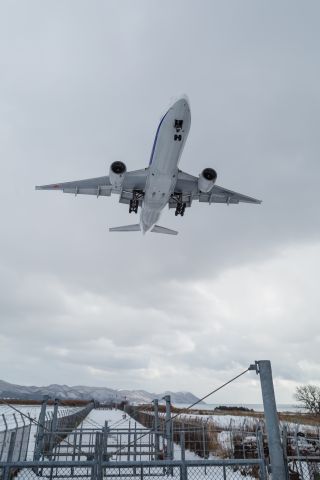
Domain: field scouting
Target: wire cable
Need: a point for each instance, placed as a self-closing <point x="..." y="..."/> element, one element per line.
<point x="188" y="408"/>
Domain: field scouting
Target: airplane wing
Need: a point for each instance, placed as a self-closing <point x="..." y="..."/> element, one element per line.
<point x="101" y="186"/>
<point x="187" y="185"/>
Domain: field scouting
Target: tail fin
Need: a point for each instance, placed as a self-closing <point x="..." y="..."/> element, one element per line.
<point x="158" y="229"/>
<point x="126" y="228"/>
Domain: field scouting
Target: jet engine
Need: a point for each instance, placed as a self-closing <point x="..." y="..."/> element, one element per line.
<point x="116" y="173"/>
<point x="207" y="179"/>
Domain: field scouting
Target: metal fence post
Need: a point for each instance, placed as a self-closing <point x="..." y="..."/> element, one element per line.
<point x="5" y="437"/>
<point x="263" y="367"/>
<point x="12" y="445"/>
<point x="54" y="423"/>
<point x="168" y="429"/>
<point x="183" y="468"/>
<point x="156" y="427"/>
<point x="260" y="453"/>
<point x="6" y="474"/>
<point x="38" y="450"/>
<point x="22" y="436"/>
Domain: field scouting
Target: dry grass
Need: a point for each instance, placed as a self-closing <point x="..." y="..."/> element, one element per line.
<point x="294" y="417"/>
<point x="300" y="418"/>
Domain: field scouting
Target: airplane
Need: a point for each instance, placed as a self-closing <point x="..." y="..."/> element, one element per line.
<point x="161" y="183"/>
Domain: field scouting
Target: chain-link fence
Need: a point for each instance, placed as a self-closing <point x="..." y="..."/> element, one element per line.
<point x="14" y="443"/>
<point x="58" y="426"/>
<point x="96" y="470"/>
<point x="304" y="468"/>
<point x="22" y="436"/>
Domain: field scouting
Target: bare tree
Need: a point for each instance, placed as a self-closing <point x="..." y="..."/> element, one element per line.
<point x="309" y="396"/>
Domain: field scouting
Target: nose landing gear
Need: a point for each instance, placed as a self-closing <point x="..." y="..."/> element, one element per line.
<point x="134" y="202"/>
<point x="178" y="127"/>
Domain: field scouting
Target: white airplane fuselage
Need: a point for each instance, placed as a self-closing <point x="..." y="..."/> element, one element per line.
<point x="163" y="168"/>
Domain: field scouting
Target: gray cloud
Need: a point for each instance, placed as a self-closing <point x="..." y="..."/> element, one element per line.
<point x="84" y="85"/>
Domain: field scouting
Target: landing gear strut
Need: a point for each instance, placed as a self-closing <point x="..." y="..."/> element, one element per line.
<point x="181" y="206"/>
<point x="134" y="202"/>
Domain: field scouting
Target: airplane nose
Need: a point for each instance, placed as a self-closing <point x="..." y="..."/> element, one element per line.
<point x="182" y="103"/>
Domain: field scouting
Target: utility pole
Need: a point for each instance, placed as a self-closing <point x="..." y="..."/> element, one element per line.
<point x="278" y="469"/>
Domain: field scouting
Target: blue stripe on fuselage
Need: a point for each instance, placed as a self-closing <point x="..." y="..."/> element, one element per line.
<point x="156" y="138"/>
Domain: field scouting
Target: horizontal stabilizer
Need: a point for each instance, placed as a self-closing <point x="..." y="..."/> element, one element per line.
<point x="158" y="229"/>
<point x="126" y="228"/>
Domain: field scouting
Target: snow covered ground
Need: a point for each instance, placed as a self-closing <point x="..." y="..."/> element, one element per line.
<point x="116" y="419"/>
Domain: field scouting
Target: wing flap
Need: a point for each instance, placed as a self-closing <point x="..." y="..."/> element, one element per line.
<point x="99" y="191"/>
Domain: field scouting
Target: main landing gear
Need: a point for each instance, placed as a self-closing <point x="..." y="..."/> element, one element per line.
<point x="178" y="127"/>
<point x="180" y="209"/>
<point x="134" y="202"/>
<point x="181" y="206"/>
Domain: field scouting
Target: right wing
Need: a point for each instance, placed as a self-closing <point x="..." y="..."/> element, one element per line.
<point x="187" y="185"/>
<point x="101" y="186"/>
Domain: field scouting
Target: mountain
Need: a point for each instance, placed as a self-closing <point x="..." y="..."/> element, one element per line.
<point x="79" y="392"/>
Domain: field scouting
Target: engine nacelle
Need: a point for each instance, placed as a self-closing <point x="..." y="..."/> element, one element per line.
<point x="207" y="179"/>
<point x="116" y="173"/>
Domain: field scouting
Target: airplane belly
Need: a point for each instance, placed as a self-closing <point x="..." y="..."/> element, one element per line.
<point x="163" y="167"/>
<point x="149" y="216"/>
<point x="159" y="188"/>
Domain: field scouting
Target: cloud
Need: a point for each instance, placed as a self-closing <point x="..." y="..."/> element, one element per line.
<point x="85" y="86"/>
<point x="247" y="313"/>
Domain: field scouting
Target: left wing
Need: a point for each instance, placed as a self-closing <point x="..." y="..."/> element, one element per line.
<point x="187" y="185"/>
<point x="101" y="186"/>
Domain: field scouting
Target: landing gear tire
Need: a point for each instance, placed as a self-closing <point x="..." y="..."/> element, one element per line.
<point x="133" y="206"/>
<point x="134" y="202"/>
<point x="180" y="209"/>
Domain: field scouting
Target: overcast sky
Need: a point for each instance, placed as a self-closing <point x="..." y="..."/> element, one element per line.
<point x="84" y="83"/>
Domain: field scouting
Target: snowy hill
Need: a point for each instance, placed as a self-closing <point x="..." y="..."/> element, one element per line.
<point x="79" y="392"/>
